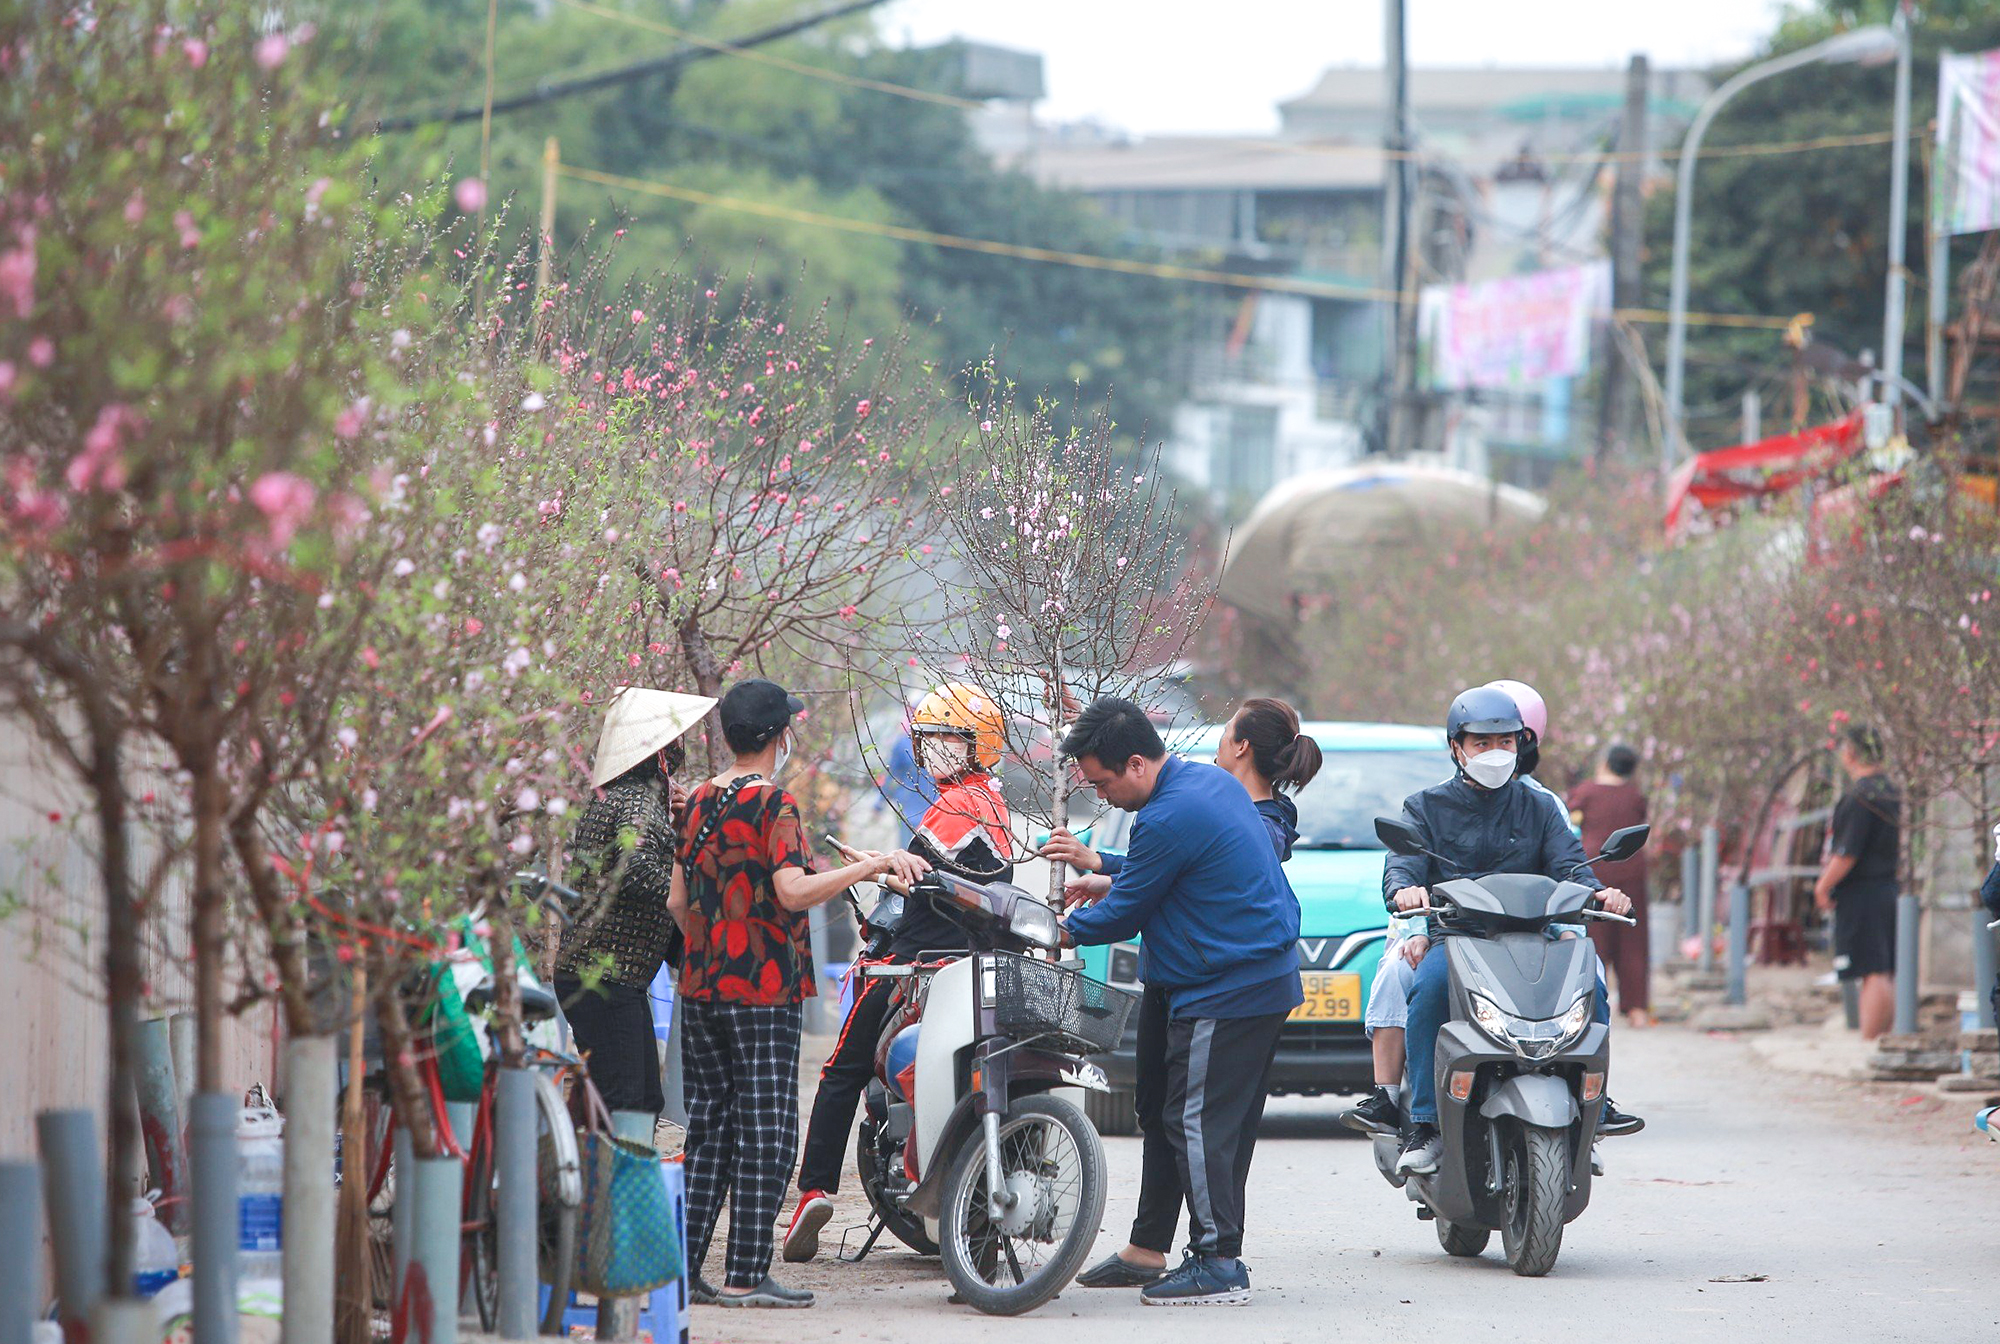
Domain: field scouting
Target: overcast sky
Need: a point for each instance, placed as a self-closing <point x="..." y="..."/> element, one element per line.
<point x="1197" y="65"/>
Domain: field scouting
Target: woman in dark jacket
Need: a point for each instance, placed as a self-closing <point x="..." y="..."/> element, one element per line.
<point x="1989" y="896"/>
<point x="621" y="856"/>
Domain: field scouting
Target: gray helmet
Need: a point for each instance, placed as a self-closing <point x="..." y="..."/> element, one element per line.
<point x="1483" y="709"/>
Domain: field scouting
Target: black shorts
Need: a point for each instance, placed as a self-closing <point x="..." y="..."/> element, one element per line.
<point x="1864" y="934"/>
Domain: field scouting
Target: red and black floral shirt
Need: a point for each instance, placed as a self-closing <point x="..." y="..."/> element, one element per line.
<point x="742" y="946"/>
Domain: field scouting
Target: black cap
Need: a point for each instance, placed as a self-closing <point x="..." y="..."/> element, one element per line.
<point x="758" y="705"/>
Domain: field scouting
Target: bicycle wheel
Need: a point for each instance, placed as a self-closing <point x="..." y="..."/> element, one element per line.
<point x="481" y="1235"/>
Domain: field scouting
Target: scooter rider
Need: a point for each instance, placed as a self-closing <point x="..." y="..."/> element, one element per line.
<point x="957" y="733"/>
<point x="1484" y="820"/>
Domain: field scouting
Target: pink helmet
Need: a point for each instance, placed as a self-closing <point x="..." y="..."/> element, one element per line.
<point x="1534" y="713"/>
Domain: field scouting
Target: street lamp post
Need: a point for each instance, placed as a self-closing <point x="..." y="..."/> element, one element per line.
<point x="1872" y="43"/>
<point x="1899" y="215"/>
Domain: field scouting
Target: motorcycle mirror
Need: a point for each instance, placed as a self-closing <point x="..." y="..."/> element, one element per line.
<point x="1399" y="837"/>
<point x="1622" y="844"/>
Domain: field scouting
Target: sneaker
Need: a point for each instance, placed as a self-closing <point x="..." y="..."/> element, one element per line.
<point x="769" y="1293"/>
<point x="701" y="1293"/>
<point x="802" y="1237"/>
<point x="1422" y="1147"/>
<point x="1115" y="1271"/>
<point x="1377" y="1114"/>
<point x="1614" y="1122"/>
<point x="1201" y="1281"/>
<point x="1596" y="1162"/>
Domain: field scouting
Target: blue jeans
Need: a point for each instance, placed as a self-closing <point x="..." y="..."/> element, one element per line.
<point x="1428" y="1004"/>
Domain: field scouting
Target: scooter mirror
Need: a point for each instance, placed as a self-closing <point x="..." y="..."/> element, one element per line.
<point x="1398" y="837"/>
<point x="1624" y="843"/>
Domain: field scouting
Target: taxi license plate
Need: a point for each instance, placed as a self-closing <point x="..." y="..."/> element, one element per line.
<point x="1331" y="996"/>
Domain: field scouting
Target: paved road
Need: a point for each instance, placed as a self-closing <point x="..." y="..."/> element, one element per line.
<point x="1874" y="1214"/>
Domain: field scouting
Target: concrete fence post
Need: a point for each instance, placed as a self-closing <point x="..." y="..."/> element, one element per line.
<point x="214" y="1220"/>
<point x="1985" y="965"/>
<point x="20" y="1250"/>
<point x="514" y="1169"/>
<point x="1739" y="942"/>
<point x="310" y="1101"/>
<point x="1710" y="861"/>
<point x="430" y="1285"/>
<point x="160" y="1121"/>
<point x="73" y="1191"/>
<point x="1690" y="891"/>
<point x="1909" y="926"/>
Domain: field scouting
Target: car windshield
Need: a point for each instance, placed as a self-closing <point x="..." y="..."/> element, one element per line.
<point x="1338" y="809"/>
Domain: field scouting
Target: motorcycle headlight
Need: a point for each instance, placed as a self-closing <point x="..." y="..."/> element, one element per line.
<point x="1033" y="922"/>
<point x="1491" y="1020"/>
<point x="1576" y="1019"/>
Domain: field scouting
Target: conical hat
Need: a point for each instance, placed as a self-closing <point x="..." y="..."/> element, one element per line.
<point x="640" y="722"/>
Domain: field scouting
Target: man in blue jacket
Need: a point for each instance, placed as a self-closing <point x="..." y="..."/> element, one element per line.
<point x="1202" y="883"/>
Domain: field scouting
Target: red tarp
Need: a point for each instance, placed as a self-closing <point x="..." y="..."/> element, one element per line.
<point x="1754" y="470"/>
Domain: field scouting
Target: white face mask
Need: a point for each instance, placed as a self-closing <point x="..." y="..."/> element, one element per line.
<point x="784" y="754"/>
<point x="945" y="758"/>
<point x="1491" y="769"/>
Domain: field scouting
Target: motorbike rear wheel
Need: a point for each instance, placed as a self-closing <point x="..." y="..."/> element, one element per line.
<point x="1533" y="1192"/>
<point x="1462" y="1239"/>
<point x="1053" y="1162"/>
<point x="906" y="1227"/>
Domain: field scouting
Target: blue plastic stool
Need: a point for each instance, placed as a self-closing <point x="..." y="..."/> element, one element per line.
<point x="665" y="1315"/>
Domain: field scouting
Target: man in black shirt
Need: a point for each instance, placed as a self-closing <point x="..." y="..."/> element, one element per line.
<point x="1858" y="882"/>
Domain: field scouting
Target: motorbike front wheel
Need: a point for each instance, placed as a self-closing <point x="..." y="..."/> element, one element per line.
<point x="1534" y="1189"/>
<point x="1053" y="1164"/>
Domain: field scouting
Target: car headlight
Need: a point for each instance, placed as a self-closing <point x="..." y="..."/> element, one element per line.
<point x="1033" y="922"/>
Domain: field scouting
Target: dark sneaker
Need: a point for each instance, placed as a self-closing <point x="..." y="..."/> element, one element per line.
<point x="1596" y="1162"/>
<point x="769" y="1293"/>
<point x="1614" y="1122"/>
<point x="701" y="1293"/>
<point x="1114" y="1271"/>
<point x="1422" y="1147"/>
<point x="1201" y="1281"/>
<point x="1377" y="1114"/>
<point x="802" y="1237"/>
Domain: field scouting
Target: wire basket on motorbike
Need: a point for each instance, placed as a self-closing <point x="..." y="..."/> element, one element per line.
<point x="1033" y="998"/>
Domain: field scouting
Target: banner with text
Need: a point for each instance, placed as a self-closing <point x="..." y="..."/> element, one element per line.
<point x="1514" y="333"/>
<point x="1967" y="181"/>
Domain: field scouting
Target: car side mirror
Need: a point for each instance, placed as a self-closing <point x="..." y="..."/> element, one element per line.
<point x="1622" y="844"/>
<point x="1399" y="837"/>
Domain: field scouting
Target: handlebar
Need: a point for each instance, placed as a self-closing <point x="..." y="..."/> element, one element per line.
<point x="1604" y="915"/>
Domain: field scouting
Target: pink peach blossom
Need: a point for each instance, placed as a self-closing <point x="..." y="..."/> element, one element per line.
<point x="470" y="194"/>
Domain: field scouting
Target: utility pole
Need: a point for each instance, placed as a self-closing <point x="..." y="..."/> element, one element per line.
<point x="1400" y="311"/>
<point x="1899" y="208"/>
<point x="1618" y="422"/>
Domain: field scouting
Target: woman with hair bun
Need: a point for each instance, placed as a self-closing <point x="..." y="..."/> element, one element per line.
<point x="1263" y="747"/>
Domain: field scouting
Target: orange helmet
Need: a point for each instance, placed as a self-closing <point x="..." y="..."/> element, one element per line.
<point x="963" y="711"/>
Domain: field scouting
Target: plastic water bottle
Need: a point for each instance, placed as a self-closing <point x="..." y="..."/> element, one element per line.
<point x="260" y="1194"/>
<point x="155" y="1260"/>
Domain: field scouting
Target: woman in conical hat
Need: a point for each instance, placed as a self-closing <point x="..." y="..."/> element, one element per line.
<point x="621" y="856"/>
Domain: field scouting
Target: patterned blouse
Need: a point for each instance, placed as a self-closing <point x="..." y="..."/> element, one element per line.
<point x="742" y="945"/>
<point x="622" y="856"/>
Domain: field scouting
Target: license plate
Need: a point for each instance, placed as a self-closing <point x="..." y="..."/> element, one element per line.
<point x="1331" y="996"/>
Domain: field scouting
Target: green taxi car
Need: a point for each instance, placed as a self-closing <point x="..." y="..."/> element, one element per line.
<point x="1336" y="871"/>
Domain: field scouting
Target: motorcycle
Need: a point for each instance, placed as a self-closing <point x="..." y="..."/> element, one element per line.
<point x="1521" y="1060"/>
<point x="966" y="1151"/>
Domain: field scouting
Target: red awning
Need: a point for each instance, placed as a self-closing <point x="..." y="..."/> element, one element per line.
<point x="1754" y="470"/>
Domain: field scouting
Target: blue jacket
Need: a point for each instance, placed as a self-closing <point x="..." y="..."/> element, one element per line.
<point x="1202" y="882"/>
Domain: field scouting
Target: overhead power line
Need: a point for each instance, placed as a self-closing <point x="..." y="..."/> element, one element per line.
<point x="698" y="49"/>
<point x="1084" y="260"/>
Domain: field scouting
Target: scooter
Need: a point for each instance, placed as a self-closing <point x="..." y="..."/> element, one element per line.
<point x="1521" y="1060"/>
<point x="965" y="1150"/>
